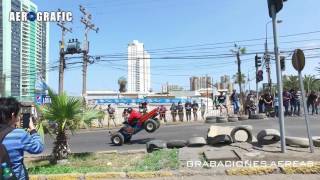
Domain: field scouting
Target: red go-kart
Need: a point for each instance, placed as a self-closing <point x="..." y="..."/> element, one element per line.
<point x="149" y="123"/>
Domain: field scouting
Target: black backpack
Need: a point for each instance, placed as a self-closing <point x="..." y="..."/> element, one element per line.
<point x="4" y="156"/>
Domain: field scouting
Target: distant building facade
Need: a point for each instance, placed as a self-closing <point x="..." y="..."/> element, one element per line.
<point x="138" y="68"/>
<point x="197" y="83"/>
<point x="171" y="87"/>
<point x="24" y="51"/>
<point x="225" y="84"/>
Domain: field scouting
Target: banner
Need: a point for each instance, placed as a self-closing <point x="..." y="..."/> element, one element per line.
<point x="140" y="100"/>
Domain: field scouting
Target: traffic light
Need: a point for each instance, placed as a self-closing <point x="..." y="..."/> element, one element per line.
<point x="278" y="5"/>
<point x="257" y="61"/>
<point x="259" y="75"/>
<point x="282" y="63"/>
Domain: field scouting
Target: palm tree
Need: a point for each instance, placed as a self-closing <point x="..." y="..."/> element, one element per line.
<point x="67" y="113"/>
<point x="241" y="79"/>
<point x="311" y="83"/>
<point x="290" y="82"/>
<point x="122" y="81"/>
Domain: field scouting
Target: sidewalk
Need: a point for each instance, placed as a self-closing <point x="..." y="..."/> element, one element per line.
<point x="264" y="177"/>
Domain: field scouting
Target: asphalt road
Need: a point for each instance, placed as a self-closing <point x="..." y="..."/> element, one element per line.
<point x="99" y="140"/>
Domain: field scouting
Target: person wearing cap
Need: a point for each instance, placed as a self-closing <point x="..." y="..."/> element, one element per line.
<point x="162" y="112"/>
<point x="173" y="110"/>
<point x="111" y="112"/>
<point x="235" y="101"/>
<point x="296" y="96"/>
<point x="180" y="111"/>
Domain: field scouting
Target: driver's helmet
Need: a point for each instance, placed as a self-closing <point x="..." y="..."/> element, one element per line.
<point x="129" y="110"/>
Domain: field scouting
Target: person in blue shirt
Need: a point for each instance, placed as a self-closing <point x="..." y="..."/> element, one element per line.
<point x="18" y="140"/>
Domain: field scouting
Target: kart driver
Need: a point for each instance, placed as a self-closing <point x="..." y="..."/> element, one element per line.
<point x="134" y="119"/>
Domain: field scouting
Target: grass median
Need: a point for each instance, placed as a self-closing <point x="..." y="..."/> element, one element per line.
<point x="88" y="163"/>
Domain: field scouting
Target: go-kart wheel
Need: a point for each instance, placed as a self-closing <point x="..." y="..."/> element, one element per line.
<point x="117" y="139"/>
<point x="158" y="123"/>
<point x="150" y="126"/>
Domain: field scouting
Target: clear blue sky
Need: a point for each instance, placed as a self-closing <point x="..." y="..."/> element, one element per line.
<point x="171" y="23"/>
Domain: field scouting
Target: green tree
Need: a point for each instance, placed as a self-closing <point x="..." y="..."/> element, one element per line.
<point x="290" y="82"/>
<point x="241" y="79"/>
<point x="122" y="82"/>
<point x="311" y="83"/>
<point x="66" y="113"/>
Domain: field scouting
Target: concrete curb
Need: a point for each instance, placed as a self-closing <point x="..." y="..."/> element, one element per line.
<point x="46" y="157"/>
<point x="108" y="175"/>
<point x="244" y="171"/>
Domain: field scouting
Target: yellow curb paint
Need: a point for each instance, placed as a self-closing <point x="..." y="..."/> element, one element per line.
<point x="93" y="176"/>
<point x="133" y="175"/>
<point x="301" y="169"/>
<point x="57" y="177"/>
<point x="251" y="171"/>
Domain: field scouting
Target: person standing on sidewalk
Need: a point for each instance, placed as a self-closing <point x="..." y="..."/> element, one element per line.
<point x="261" y="104"/>
<point x="15" y="140"/>
<point x="195" y="107"/>
<point x="317" y="104"/>
<point x="180" y="111"/>
<point x="286" y="101"/>
<point x="276" y="105"/>
<point x="268" y="103"/>
<point x="162" y="112"/>
<point x="235" y="101"/>
<point x="173" y="110"/>
<point x="111" y="112"/>
<point x="311" y="101"/>
<point x="203" y="109"/>
<point x="101" y="118"/>
<point x="297" y="98"/>
<point x="188" y="107"/>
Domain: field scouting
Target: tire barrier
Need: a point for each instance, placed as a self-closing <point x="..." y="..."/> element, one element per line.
<point x="243" y="117"/>
<point x="196" y="142"/>
<point x="297" y="141"/>
<point x="268" y="136"/>
<point x="155" y="145"/>
<point x="222" y="139"/>
<point x="241" y="128"/>
<point x="176" y="144"/>
<point x="221" y="119"/>
<point x="257" y="116"/>
<point x="210" y="119"/>
<point x="233" y="118"/>
<point x="316" y="141"/>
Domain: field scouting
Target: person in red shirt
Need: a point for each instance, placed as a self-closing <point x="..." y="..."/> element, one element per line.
<point x="134" y="118"/>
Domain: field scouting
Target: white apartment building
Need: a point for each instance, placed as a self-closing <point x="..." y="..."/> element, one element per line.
<point x="138" y="68"/>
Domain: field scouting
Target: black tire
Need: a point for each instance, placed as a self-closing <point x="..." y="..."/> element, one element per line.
<point x="158" y="123"/>
<point x="258" y="116"/>
<point x="233" y="119"/>
<point x="150" y="126"/>
<point x="222" y="139"/>
<point x="221" y="119"/>
<point x="241" y="128"/>
<point x="242" y="118"/>
<point x="176" y="144"/>
<point x="263" y="136"/>
<point x="117" y="139"/>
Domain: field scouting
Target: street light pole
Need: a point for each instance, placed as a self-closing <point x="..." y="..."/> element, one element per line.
<point x="267" y="57"/>
<point x="279" y="78"/>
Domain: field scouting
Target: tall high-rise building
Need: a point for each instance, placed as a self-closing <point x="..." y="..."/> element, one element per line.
<point x="23" y="51"/>
<point x="197" y="83"/>
<point x="138" y="68"/>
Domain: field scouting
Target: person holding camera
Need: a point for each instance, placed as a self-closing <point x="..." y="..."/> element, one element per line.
<point x="16" y="140"/>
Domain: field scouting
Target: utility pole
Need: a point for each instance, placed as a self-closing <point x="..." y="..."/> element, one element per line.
<point x="62" y="62"/>
<point x="267" y="59"/>
<point x="86" y="20"/>
<point x="237" y="52"/>
<point x="274" y="7"/>
<point x="207" y="91"/>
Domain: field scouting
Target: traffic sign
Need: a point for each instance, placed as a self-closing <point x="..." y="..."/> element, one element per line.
<point x="298" y="60"/>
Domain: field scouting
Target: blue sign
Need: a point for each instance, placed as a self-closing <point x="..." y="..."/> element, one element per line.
<point x="139" y="100"/>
